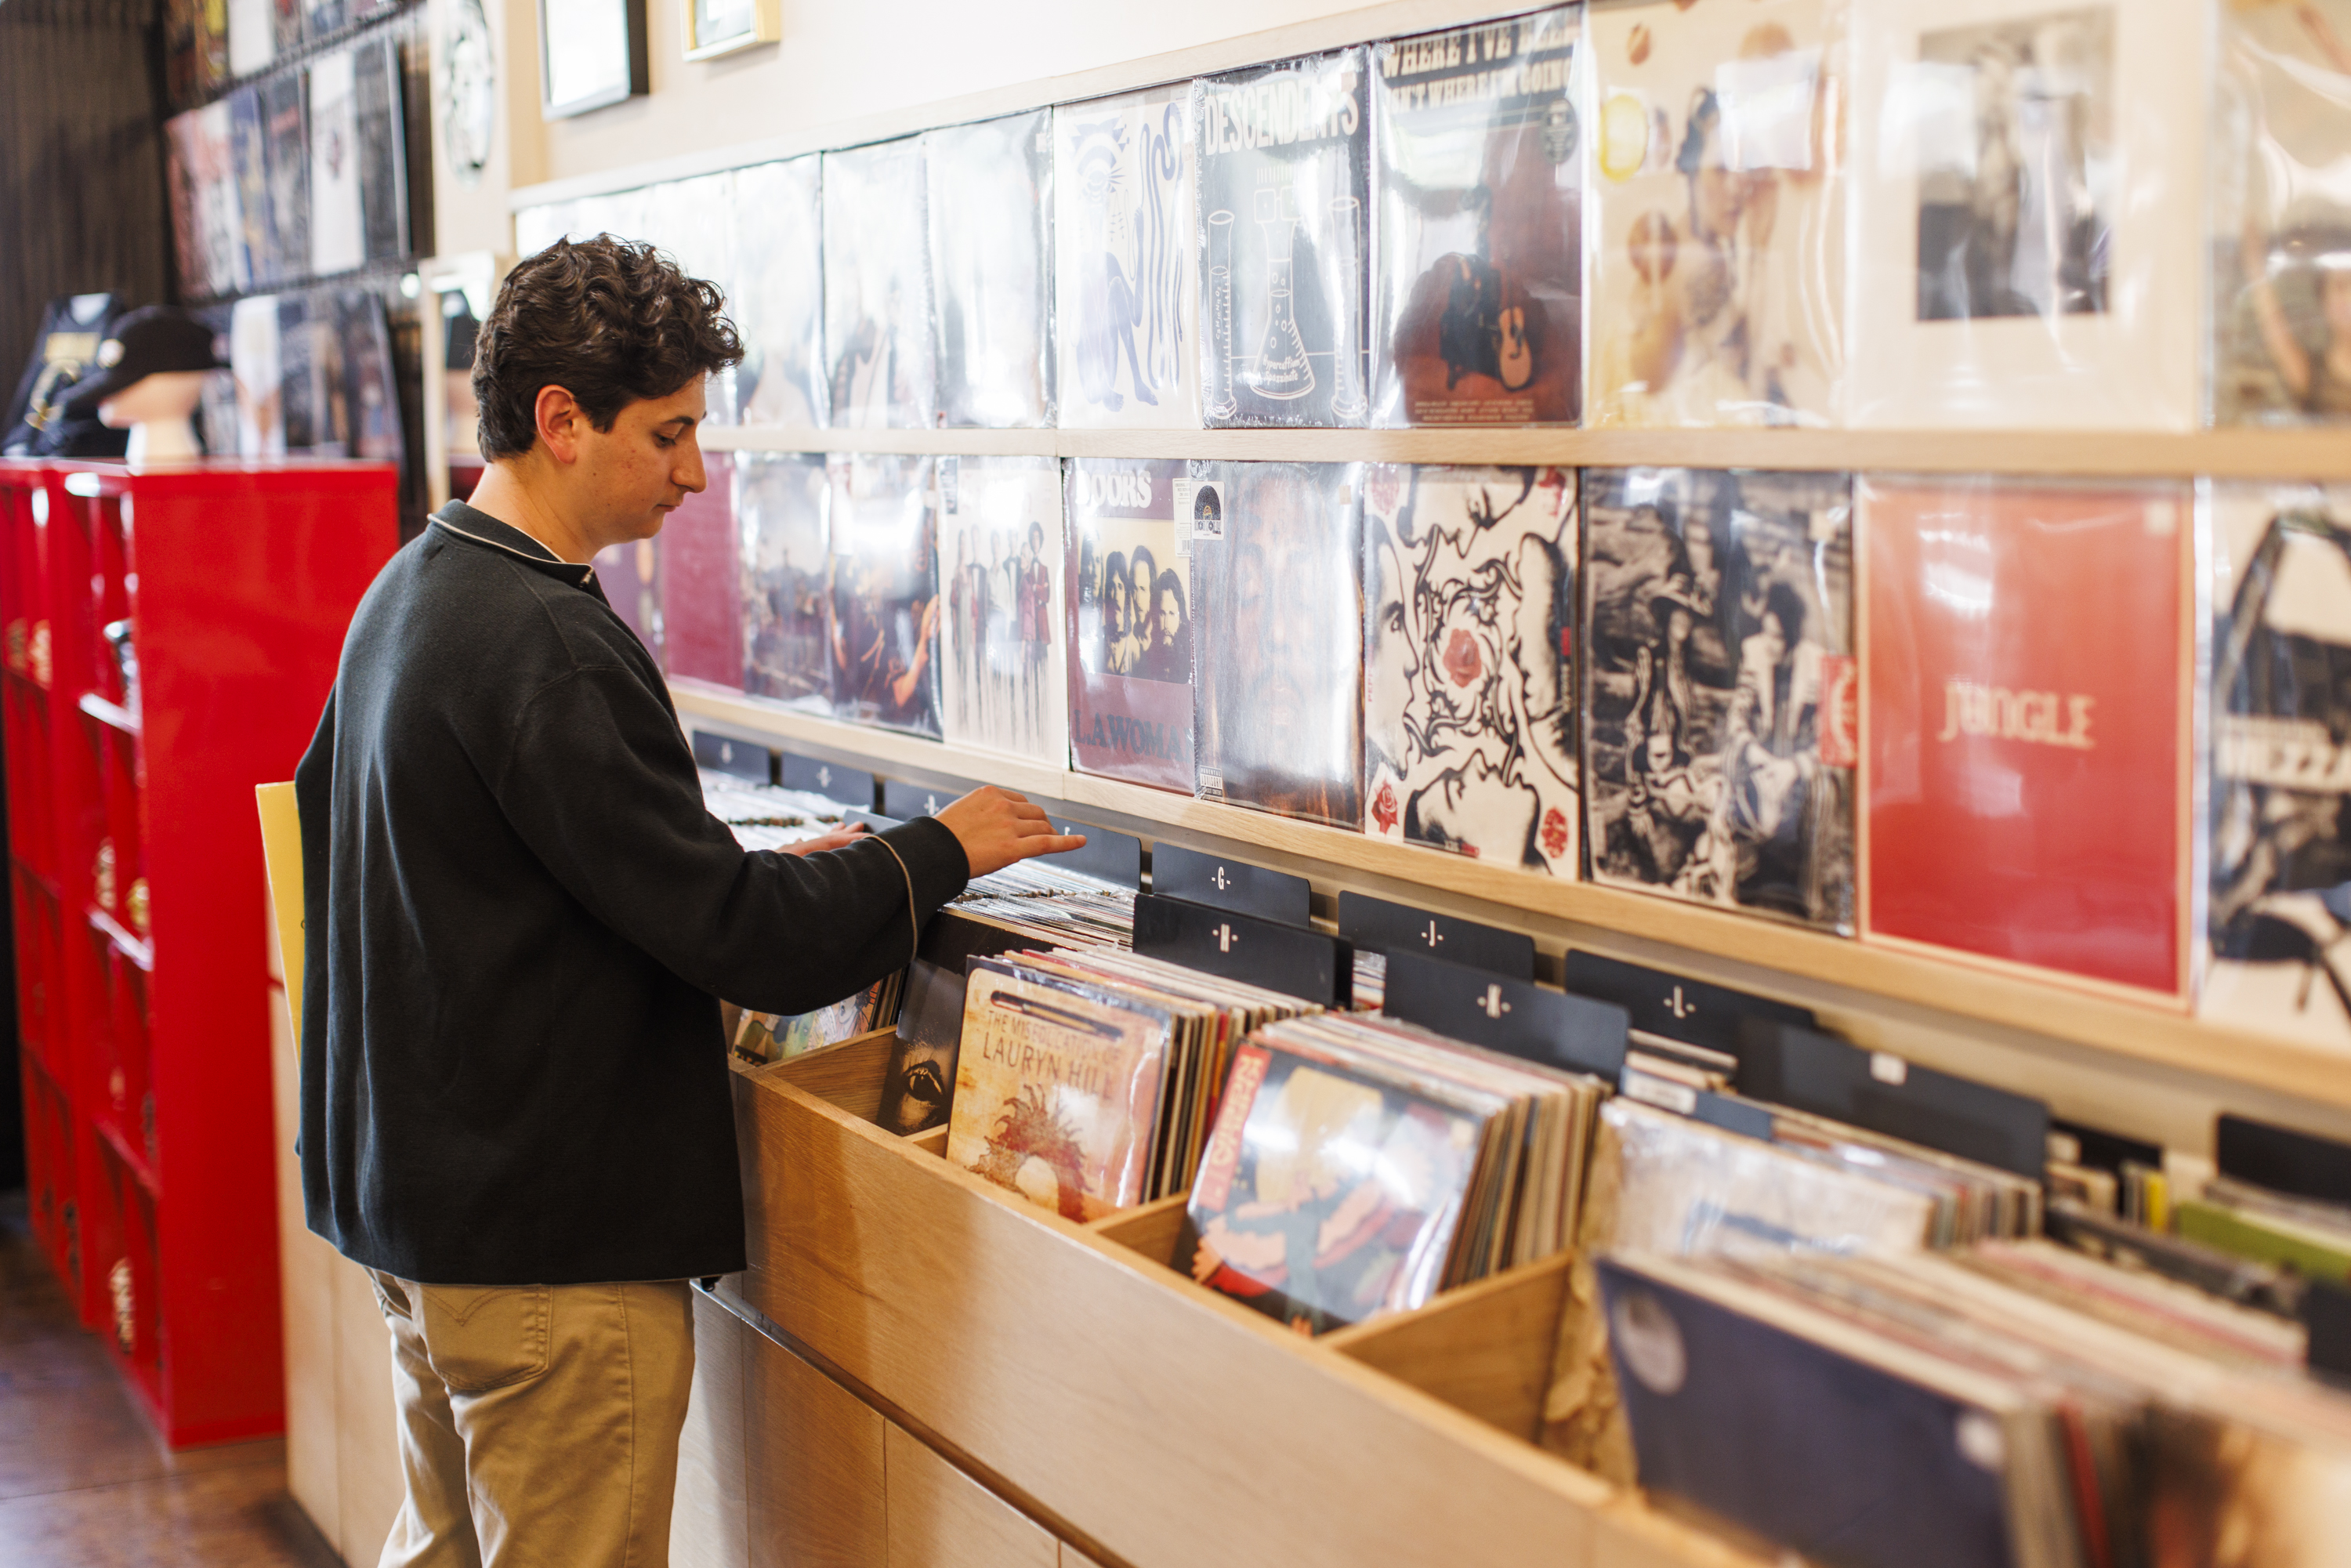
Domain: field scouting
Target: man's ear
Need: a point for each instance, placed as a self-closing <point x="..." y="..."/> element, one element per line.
<point x="560" y="421"/>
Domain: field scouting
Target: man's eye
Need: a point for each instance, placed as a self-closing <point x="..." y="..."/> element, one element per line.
<point x="664" y="441"/>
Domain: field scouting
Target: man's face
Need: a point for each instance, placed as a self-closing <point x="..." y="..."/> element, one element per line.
<point x="1142" y="582"/>
<point x="628" y="480"/>
<point x="1171" y="618"/>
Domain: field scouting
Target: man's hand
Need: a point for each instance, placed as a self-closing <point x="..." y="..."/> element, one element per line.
<point x="837" y="839"/>
<point x="997" y="827"/>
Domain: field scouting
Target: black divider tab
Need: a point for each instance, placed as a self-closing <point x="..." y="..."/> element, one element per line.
<point x="724" y="754"/>
<point x="1295" y="960"/>
<point x="1115" y="857"/>
<point x="2104" y="1151"/>
<point x="907" y="801"/>
<point x="1807" y="1071"/>
<point x="2301" y="1163"/>
<point x="1674" y="1006"/>
<point x="2327" y="1314"/>
<point x="1376" y="925"/>
<point x="850" y="786"/>
<point x="1517" y="1017"/>
<point x="1179" y="872"/>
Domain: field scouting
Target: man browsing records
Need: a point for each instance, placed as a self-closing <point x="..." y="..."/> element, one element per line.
<point x="516" y="1112"/>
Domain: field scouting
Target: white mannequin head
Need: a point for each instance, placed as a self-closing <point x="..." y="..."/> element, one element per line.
<point x="155" y="409"/>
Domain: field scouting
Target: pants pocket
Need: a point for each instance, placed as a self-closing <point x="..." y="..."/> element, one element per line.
<point x="480" y="1337"/>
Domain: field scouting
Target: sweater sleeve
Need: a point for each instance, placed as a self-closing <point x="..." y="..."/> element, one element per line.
<point x="599" y="782"/>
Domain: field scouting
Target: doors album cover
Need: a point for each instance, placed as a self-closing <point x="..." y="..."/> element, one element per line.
<point x="885" y="598"/>
<point x="2278" y="878"/>
<point x="1277" y="587"/>
<point x="777" y="304"/>
<point x="1282" y="243"/>
<point x="880" y="355"/>
<point x="1479" y="313"/>
<point x="1715" y="211"/>
<point x="781" y="504"/>
<point x="2028" y="694"/>
<point x="1126" y="291"/>
<point x="1470" y="731"/>
<point x="2027" y="221"/>
<point x="2281" y="237"/>
<point x="1720" y="690"/>
<point x="1128" y="617"/>
<point x="991" y="209"/>
<point x="1002" y="683"/>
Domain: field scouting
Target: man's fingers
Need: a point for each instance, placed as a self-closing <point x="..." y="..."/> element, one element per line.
<point x="1057" y="843"/>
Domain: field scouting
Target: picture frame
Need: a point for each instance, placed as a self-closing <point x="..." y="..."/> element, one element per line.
<point x="716" y="28"/>
<point x="600" y="57"/>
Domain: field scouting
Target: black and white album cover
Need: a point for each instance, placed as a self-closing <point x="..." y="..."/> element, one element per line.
<point x="382" y="140"/>
<point x="779" y="301"/>
<point x="878" y="349"/>
<point x="1277" y="591"/>
<point x="370" y="423"/>
<point x="1002" y="685"/>
<point x="1470" y="731"/>
<point x="249" y="159"/>
<point x="781" y="505"/>
<point x="886" y="601"/>
<point x="288" y="161"/>
<point x="1126" y="297"/>
<point x="1720" y="688"/>
<point x="220" y="221"/>
<point x="2278" y="956"/>
<point x="1479" y="313"/>
<point x="338" y="216"/>
<point x="991" y="216"/>
<point x="1284" y="242"/>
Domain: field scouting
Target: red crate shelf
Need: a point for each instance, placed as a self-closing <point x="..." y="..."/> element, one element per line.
<point x="142" y="955"/>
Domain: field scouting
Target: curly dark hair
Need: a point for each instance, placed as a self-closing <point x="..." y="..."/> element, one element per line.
<point x="612" y="321"/>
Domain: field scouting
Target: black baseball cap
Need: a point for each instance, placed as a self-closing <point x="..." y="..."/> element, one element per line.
<point x="151" y="341"/>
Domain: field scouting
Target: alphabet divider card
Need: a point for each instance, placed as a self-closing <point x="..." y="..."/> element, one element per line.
<point x="2026" y="770"/>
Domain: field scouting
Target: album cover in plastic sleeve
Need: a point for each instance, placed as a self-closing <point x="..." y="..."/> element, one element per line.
<point x="252" y="36"/>
<point x="383" y="141"/>
<point x="250" y="161"/>
<point x="320" y="17"/>
<point x="220" y="218"/>
<point x="1126" y="301"/>
<point x="2279" y="869"/>
<point x="254" y="370"/>
<point x="180" y="161"/>
<point x="287" y="162"/>
<point x="308" y="367"/>
<point x="2028" y="656"/>
<point x="885" y="597"/>
<point x="1720" y="688"/>
<point x="286" y="19"/>
<point x="1469" y="611"/>
<point x="881" y="356"/>
<point x="2025" y="208"/>
<point x="1283" y="243"/>
<point x="702" y="584"/>
<point x="781" y="505"/>
<point x="1130" y="643"/>
<point x="2280" y="202"/>
<point x="693" y="223"/>
<point x="1714" y="213"/>
<point x="1477" y="317"/>
<point x="991" y="217"/>
<point x="1326" y="1195"/>
<point x="777" y="304"/>
<point x="371" y="426"/>
<point x="1277" y="588"/>
<point x="338" y="211"/>
<point x="1003" y="684"/>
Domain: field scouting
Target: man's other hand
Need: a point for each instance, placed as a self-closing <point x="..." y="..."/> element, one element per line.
<point x="997" y="827"/>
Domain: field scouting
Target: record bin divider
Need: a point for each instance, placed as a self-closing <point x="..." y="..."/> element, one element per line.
<point x="1046" y="1356"/>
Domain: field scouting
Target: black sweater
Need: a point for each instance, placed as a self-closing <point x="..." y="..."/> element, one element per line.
<point x="519" y="917"/>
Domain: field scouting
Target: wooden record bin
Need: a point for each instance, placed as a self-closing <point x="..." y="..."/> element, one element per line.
<point x="1067" y="1374"/>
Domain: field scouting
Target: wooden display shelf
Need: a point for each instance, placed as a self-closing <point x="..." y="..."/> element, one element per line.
<point x="2141" y="1032"/>
<point x="1140" y="1416"/>
<point x="2277" y="455"/>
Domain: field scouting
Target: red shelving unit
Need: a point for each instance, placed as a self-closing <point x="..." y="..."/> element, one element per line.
<point x="135" y="870"/>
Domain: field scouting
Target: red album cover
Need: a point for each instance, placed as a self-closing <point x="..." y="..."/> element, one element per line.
<point x="701" y="592"/>
<point x="2026" y="694"/>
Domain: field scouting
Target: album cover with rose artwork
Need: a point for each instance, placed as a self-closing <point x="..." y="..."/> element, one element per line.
<point x="1720" y="688"/>
<point x="1283" y="238"/>
<point x="1477" y="317"/>
<point x="1128" y="617"/>
<point x="1715" y="214"/>
<point x="1470" y="731"/>
<point x="1277" y="587"/>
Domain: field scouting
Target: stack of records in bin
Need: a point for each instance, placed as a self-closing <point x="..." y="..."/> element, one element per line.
<point x="2014" y="1405"/>
<point x="2308" y="1236"/>
<point x="1052" y="905"/>
<point x="1359" y="1166"/>
<point x="1085" y="1079"/>
<point x="766" y="816"/>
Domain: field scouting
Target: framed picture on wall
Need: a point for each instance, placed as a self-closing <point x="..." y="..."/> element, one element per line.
<point x="715" y="27"/>
<point x="591" y="54"/>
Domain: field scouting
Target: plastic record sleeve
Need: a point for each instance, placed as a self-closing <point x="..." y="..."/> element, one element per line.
<point x="1132" y="649"/>
<point x="1002" y="683"/>
<point x="782" y="503"/>
<point x="1126" y="265"/>
<point x="880" y="353"/>
<point x="885" y="592"/>
<point x="778" y="299"/>
<point x="990" y="216"/>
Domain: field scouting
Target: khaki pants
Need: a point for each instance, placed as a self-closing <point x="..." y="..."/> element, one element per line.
<point x="538" y="1424"/>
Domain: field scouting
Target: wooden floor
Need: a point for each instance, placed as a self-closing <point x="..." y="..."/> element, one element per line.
<point x="84" y="1480"/>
